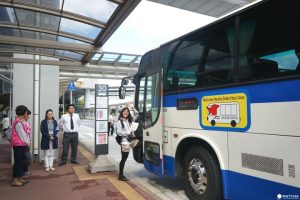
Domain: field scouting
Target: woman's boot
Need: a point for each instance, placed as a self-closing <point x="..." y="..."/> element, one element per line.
<point x="121" y="175"/>
<point x="123" y="178"/>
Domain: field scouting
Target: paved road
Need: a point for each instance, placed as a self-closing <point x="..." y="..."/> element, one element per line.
<point x="166" y="188"/>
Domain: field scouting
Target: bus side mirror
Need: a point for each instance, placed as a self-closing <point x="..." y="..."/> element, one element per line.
<point x="122" y="92"/>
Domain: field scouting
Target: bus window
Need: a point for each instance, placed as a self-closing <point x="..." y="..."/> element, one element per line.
<point x="182" y="72"/>
<point x="218" y="69"/>
<point x="268" y="49"/>
<point x="152" y="99"/>
<point x="217" y="65"/>
<point x="202" y="59"/>
<point x="141" y="94"/>
<point x="286" y="61"/>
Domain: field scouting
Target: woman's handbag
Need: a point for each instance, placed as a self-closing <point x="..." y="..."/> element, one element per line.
<point x="28" y="158"/>
<point x="129" y="138"/>
<point x="119" y="139"/>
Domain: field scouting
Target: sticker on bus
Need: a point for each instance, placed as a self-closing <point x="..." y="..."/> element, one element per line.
<point x="225" y="111"/>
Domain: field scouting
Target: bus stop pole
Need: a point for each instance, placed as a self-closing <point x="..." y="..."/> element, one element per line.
<point x="63" y="101"/>
<point x="71" y="97"/>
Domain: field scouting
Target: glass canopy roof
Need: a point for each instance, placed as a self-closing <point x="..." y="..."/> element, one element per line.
<point x="91" y="8"/>
<point x="81" y="24"/>
<point x="116" y="59"/>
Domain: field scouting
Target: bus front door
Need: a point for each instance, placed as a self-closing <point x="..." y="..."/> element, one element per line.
<point x="152" y="134"/>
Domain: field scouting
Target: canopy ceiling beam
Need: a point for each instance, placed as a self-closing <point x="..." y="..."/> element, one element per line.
<point x="112" y="63"/>
<point x="41" y="30"/>
<point x="40" y="62"/>
<point x="94" y="69"/>
<point x="37" y="53"/>
<point x="69" y="65"/>
<point x="91" y="76"/>
<point x="10" y="40"/>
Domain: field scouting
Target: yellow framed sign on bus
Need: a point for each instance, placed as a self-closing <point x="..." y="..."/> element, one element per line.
<point x="230" y="111"/>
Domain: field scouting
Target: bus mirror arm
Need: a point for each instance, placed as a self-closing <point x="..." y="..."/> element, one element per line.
<point x="124" y="82"/>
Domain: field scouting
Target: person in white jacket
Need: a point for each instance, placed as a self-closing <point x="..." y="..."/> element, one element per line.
<point x="5" y="125"/>
<point x="125" y="130"/>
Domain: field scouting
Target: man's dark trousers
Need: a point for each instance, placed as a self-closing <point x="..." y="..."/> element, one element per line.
<point x="69" y="138"/>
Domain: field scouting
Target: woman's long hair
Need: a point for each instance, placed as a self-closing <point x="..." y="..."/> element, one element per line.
<point x="49" y="110"/>
<point x="121" y="117"/>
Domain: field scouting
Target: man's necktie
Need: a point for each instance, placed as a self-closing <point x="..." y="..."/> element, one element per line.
<point x="72" y="123"/>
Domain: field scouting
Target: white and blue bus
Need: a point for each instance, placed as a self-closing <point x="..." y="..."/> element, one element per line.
<point x="220" y="106"/>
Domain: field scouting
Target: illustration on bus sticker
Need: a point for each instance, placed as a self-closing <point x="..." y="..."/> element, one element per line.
<point x="224" y="111"/>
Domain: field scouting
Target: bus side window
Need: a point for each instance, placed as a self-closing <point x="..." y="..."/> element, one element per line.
<point x="278" y="64"/>
<point x="267" y="49"/>
<point x="217" y="62"/>
<point x="181" y="73"/>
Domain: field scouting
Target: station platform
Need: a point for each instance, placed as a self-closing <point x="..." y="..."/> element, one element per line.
<point x="70" y="181"/>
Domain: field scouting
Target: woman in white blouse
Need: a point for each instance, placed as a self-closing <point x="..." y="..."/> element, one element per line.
<point x="125" y="130"/>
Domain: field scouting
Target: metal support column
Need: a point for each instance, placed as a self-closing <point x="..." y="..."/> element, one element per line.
<point x="36" y="103"/>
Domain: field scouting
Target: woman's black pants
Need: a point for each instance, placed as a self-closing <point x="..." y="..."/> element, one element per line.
<point x="19" y="161"/>
<point x="122" y="163"/>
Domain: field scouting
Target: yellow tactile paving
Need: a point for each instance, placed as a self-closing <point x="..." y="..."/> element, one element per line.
<point x="88" y="155"/>
<point x="83" y="174"/>
<point x="125" y="189"/>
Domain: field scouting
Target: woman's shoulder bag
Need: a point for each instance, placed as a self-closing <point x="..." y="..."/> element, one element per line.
<point x="119" y="139"/>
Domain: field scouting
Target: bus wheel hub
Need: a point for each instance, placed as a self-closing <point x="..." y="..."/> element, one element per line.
<point x="197" y="176"/>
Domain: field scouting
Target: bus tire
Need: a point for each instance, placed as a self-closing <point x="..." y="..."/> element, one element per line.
<point x="233" y="123"/>
<point x="202" y="175"/>
<point x="213" y="122"/>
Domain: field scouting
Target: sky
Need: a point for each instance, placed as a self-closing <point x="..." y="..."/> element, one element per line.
<point x="152" y="24"/>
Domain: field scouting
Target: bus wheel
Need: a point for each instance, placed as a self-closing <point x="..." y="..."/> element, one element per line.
<point x="233" y="123"/>
<point x="202" y="175"/>
<point x="213" y="122"/>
